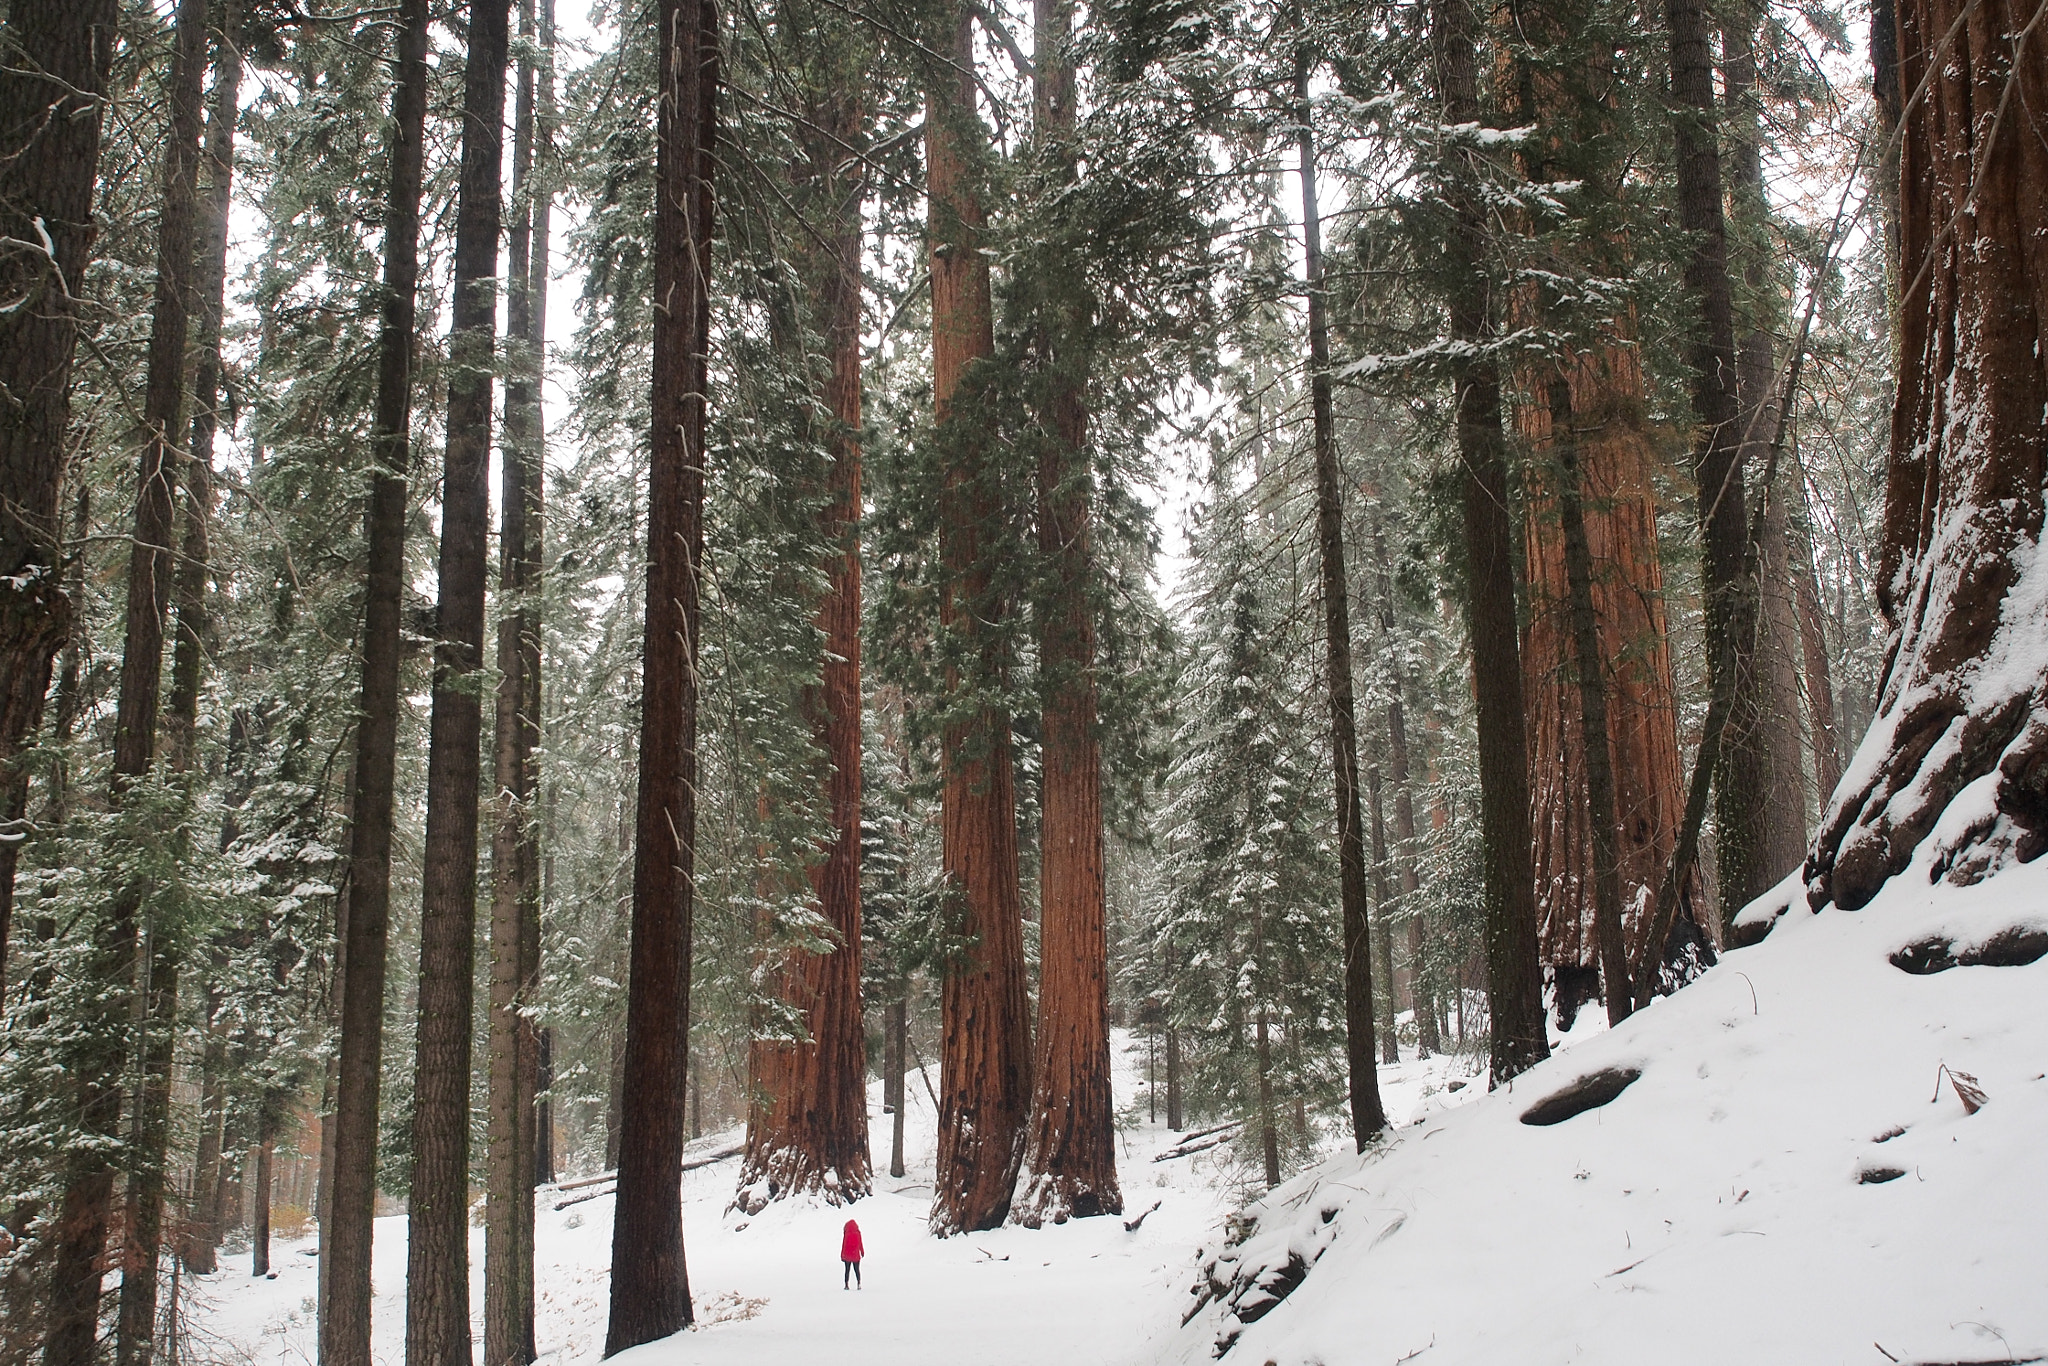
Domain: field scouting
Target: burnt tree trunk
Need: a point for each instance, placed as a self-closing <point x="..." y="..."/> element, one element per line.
<point x="807" y="1124"/>
<point x="985" y="1058"/>
<point x="1367" y="1115"/>
<point x="1514" y="978"/>
<point x="437" y="1329"/>
<point x="50" y="115"/>
<point x="127" y="943"/>
<point x="1071" y="1137"/>
<point x="650" y="1280"/>
<point x="346" y="1234"/>
<point x="1963" y="499"/>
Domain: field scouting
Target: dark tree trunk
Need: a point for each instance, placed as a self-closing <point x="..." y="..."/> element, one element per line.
<point x="650" y="1282"/>
<point x="1173" y="1097"/>
<point x="1514" y="979"/>
<point x="437" y="1244"/>
<point x="1383" y="910"/>
<point x="259" y="1235"/>
<point x="1963" y="496"/>
<point x="985" y="1071"/>
<point x="899" y="1041"/>
<point x="1822" y="732"/>
<point x="202" y="1241"/>
<point x="1398" y="773"/>
<point x="1269" y="1117"/>
<point x="1778" y="738"/>
<point x="807" y="1126"/>
<point x="1367" y="1115"/>
<point x="345" y="1236"/>
<point x="1593" y="729"/>
<point x="50" y="115"/>
<point x="509" y="1137"/>
<point x="124" y="950"/>
<point x="1728" y="589"/>
<point x="1071" y="1134"/>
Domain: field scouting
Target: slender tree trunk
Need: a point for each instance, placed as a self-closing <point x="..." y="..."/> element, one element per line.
<point x="1398" y="773"/>
<point x="202" y="1241"/>
<point x="1963" y="497"/>
<point x="1383" y="909"/>
<point x="1174" y="1114"/>
<point x="1820" y="686"/>
<point x="1269" y="1117"/>
<point x="985" y="1068"/>
<point x="105" y="1052"/>
<point x="50" y="115"/>
<point x="650" y="1281"/>
<point x="508" y="1180"/>
<point x="1593" y="729"/>
<point x="807" y="1128"/>
<point x="437" y="1329"/>
<point x="259" y="1237"/>
<point x="345" y="1238"/>
<point x="1740" y="780"/>
<point x="1514" y="978"/>
<point x="899" y="1032"/>
<point x="1757" y="395"/>
<point x="1071" y="1135"/>
<point x="1368" y="1117"/>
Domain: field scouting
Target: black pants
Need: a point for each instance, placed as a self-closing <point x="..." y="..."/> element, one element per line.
<point x="851" y="1276"/>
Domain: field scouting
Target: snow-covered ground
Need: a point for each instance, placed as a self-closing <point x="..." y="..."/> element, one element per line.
<point x="767" y="1288"/>
<point x="1792" y="1177"/>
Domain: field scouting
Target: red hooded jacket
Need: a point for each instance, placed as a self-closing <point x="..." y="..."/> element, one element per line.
<point x="849" y="1243"/>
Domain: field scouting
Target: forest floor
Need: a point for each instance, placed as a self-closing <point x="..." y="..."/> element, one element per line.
<point x="1794" y="1175"/>
<point x="767" y="1288"/>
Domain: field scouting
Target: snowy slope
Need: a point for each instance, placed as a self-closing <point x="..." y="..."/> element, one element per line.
<point x="767" y="1289"/>
<point x="1734" y="1204"/>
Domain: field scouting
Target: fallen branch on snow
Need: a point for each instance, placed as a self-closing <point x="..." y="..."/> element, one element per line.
<point x="1133" y="1225"/>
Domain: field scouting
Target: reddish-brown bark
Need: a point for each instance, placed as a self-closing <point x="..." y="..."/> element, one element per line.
<point x="807" y="1125"/>
<point x="985" y="1058"/>
<point x="1964" y="692"/>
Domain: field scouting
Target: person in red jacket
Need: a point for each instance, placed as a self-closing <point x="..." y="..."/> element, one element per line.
<point x="849" y="1256"/>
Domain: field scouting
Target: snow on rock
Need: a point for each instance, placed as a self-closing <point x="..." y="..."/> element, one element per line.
<point x="1797" y="1174"/>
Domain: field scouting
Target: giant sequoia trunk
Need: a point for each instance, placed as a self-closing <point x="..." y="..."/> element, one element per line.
<point x="1367" y="1116"/>
<point x="346" y="1232"/>
<point x="50" y="115"/>
<point x="102" y="1059"/>
<point x="1514" y="979"/>
<point x="650" y="1281"/>
<point x="985" y="1060"/>
<point x="1964" y="692"/>
<point x="1071" y="1143"/>
<point x="515" y="870"/>
<point x="437" y="1242"/>
<point x="807" y="1128"/>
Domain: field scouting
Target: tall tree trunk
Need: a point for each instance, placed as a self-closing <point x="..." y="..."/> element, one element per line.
<point x="345" y="1237"/>
<point x="1383" y="910"/>
<point x="985" y="1069"/>
<point x="1173" y="1095"/>
<point x="1729" y="592"/>
<point x="1071" y="1135"/>
<point x="1269" y="1117"/>
<point x="807" y="1126"/>
<point x="1778" y="736"/>
<point x="650" y="1281"/>
<point x="202" y="1241"/>
<point x="1593" y="729"/>
<point x="509" y="1166"/>
<point x="1826" y="743"/>
<point x="1398" y="773"/>
<point x="1963" y="496"/>
<point x="104" y="1055"/>
<point x="1514" y="979"/>
<point x="437" y="1221"/>
<point x="259" y="1236"/>
<point x="899" y="1041"/>
<point x="1368" y="1117"/>
<point x="150" y="1135"/>
<point x="51" y="109"/>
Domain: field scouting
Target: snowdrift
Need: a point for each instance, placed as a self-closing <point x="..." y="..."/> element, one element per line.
<point x="1833" y="1147"/>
